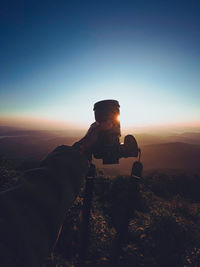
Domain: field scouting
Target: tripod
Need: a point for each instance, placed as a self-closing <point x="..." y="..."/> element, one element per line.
<point x="87" y="204"/>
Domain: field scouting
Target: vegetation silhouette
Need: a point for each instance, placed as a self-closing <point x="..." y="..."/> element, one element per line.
<point x="159" y="226"/>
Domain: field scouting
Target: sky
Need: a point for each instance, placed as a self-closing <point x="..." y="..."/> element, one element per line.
<point x="57" y="58"/>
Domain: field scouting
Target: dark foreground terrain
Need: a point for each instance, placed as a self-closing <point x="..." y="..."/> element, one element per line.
<point x="159" y="225"/>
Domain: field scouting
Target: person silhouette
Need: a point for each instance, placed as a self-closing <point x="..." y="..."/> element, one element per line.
<point x="33" y="212"/>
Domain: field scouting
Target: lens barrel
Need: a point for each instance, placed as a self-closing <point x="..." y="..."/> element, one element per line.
<point x="106" y="110"/>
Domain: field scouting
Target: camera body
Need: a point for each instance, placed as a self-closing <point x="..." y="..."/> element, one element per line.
<point x="108" y="148"/>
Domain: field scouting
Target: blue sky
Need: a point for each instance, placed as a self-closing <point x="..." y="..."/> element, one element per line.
<point x="59" y="57"/>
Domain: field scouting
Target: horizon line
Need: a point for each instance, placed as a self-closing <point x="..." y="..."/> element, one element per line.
<point x="53" y="124"/>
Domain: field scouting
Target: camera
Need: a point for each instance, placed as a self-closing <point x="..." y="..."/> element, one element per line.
<point x="108" y="147"/>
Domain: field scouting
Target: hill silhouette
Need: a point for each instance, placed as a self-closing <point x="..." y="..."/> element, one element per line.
<point x="187" y="137"/>
<point x="21" y="145"/>
<point x="175" y="155"/>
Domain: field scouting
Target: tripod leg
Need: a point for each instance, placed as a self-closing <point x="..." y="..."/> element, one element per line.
<point x="87" y="203"/>
<point x="121" y="239"/>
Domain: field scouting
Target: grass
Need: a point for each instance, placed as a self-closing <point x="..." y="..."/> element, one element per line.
<point x="154" y="224"/>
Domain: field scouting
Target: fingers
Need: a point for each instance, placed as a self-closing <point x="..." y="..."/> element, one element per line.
<point x="106" y="125"/>
<point x="90" y="139"/>
<point x="92" y="127"/>
<point x="96" y="128"/>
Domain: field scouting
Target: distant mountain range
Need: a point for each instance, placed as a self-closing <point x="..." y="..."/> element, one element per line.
<point x="187" y="137"/>
<point x="176" y="155"/>
<point x="180" y="151"/>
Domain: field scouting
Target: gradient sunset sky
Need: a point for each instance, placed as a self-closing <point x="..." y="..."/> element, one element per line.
<point x="57" y="58"/>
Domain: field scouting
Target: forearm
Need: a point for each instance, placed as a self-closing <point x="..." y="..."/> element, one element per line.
<point x="32" y="213"/>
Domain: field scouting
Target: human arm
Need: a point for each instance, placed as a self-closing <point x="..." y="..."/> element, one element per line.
<point x="32" y="213"/>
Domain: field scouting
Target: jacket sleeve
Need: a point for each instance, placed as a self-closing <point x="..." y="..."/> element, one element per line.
<point x="32" y="213"/>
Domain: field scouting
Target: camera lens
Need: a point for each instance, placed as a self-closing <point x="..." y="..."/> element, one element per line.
<point x="106" y="110"/>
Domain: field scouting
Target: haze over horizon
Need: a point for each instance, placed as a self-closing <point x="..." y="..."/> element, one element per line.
<point x="58" y="59"/>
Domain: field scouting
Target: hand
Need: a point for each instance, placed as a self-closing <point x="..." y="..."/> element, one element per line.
<point x="91" y="137"/>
